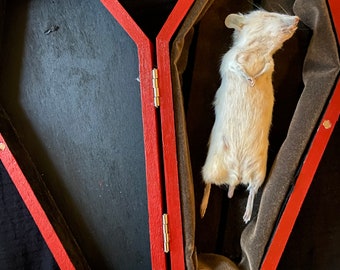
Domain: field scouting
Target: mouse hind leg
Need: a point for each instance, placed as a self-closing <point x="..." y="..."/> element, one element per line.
<point x="252" y="188"/>
<point x="250" y="204"/>
<point x="254" y="175"/>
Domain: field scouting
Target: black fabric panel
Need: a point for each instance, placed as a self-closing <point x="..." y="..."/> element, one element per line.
<point x="314" y="241"/>
<point x="21" y="244"/>
<point x="69" y="83"/>
<point x="41" y="192"/>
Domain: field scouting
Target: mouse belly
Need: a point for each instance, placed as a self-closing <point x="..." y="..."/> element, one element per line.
<point x="233" y="160"/>
<point x="239" y="138"/>
<point x="238" y="145"/>
<point x="232" y="163"/>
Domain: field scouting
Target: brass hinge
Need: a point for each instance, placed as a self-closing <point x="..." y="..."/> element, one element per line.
<point x="155" y="87"/>
<point x="166" y="235"/>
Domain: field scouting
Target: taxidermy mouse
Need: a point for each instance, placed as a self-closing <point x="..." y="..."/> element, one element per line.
<point x="243" y="104"/>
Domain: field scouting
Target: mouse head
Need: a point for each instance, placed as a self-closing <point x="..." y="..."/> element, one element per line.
<point x="261" y="28"/>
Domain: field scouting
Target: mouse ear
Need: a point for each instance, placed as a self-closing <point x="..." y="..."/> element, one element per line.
<point x="235" y="21"/>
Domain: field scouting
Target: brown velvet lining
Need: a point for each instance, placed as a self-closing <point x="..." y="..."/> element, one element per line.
<point x="306" y="70"/>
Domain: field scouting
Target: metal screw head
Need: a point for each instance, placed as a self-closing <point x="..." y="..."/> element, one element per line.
<point x="2" y="146"/>
<point x="327" y="124"/>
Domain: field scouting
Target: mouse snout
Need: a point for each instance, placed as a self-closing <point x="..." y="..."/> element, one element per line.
<point x="295" y="24"/>
<point x="296" y="20"/>
<point x="292" y="24"/>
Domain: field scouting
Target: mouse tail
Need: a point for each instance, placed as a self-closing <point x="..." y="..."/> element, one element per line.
<point x="205" y="199"/>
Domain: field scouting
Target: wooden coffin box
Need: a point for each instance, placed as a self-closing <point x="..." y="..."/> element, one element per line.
<point x="106" y="114"/>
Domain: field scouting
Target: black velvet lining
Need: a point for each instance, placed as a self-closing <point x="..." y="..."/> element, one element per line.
<point x="21" y="243"/>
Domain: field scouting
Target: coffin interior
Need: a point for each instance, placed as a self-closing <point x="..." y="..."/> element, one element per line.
<point x="302" y="87"/>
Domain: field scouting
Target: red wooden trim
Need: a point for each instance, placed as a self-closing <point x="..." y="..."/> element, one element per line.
<point x="335" y="10"/>
<point x="151" y="141"/>
<point x="168" y="133"/>
<point x="38" y="214"/>
<point x="308" y="169"/>
<point x="303" y="183"/>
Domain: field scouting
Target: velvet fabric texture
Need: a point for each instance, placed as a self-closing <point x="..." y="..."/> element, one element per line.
<point x="306" y="70"/>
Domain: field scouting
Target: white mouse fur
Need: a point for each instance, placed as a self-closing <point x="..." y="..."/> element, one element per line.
<point x="244" y="103"/>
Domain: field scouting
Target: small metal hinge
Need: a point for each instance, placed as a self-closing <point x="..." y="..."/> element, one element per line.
<point x="155" y="87"/>
<point x="166" y="236"/>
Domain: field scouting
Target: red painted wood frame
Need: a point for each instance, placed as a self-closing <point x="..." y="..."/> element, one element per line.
<point x="151" y="129"/>
<point x="308" y="169"/>
<point x="38" y="214"/>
